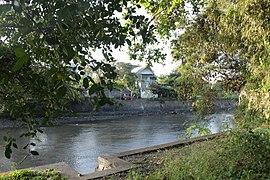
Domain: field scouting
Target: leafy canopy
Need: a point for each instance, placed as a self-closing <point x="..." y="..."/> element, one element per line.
<point x="125" y="78"/>
<point x="220" y="40"/>
<point x="46" y="48"/>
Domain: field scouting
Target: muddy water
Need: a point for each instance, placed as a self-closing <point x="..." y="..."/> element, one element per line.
<point x="79" y="145"/>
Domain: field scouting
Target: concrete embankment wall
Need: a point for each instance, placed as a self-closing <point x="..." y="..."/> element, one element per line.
<point x="125" y="108"/>
<point x="145" y="106"/>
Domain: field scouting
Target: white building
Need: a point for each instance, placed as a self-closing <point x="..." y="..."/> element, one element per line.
<point x="145" y="78"/>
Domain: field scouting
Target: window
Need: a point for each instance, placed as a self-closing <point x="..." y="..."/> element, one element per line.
<point x="144" y="77"/>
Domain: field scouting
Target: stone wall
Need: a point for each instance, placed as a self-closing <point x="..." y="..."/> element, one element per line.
<point x="145" y="106"/>
<point x="125" y="108"/>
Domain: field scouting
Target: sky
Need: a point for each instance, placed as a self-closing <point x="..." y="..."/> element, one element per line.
<point x="158" y="68"/>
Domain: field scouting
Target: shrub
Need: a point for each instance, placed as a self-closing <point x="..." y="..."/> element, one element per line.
<point x="33" y="175"/>
<point x="243" y="155"/>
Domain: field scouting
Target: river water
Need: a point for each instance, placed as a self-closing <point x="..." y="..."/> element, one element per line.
<point x="79" y="145"/>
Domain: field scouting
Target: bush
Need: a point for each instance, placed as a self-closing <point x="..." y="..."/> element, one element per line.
<point x="244" y="155"/>
<point x="33" y="175"/>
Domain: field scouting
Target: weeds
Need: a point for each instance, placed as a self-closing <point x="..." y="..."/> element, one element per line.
<point x="33" y="175"/>
<point x="243" y="155"/>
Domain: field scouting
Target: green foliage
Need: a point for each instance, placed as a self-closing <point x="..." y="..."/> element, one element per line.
<point x="169" y="15"/>
<point x="33" y="175"/>
<point x="204" y="53"/>
<point x="202" y="130"/>
<point x="163" y="91"/>
<point x="220" y="40"/>
<point x="186" y="85"/>
<point x="46" y="51"/>
<point x="246" y="118"/>
<point x="166" y="85"/>
<point x="221" y="94"/>
<point x="168" y="80"/>
<point x="125" y="78"/>
<point x="244" y="155"/>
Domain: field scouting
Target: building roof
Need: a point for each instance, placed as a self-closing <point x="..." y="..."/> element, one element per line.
<point x="139" y="70"/>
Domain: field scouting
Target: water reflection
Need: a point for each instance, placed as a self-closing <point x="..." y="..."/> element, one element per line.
<point x="80" y="145"/>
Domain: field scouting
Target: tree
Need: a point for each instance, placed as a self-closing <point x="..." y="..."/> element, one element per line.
<point x="220" y="40"/>
<point x="45" y="47"/>
<point x="165" y="86"/>
<point x="125" y="77"/>
<point x="169" y="80"/>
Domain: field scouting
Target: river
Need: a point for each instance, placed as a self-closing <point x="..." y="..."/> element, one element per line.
<point x="79" y="145"/>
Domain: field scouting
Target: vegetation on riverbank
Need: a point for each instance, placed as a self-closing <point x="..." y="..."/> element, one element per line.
<point x="33" y="175"/>
<point x="240" y="155"/>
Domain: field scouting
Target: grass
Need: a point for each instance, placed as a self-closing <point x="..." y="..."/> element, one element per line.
<point x="32" y="175"/>
<point x="175" y="163"/>
<point x="228" y="97"/>
<point x="241" y="155"/>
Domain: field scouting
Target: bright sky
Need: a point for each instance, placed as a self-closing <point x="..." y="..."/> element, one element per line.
<point x="158" y="69"/>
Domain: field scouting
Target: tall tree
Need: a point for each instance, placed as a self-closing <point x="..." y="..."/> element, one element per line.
<point x="220" y="39"/>
<point x="124" y="75"/>
<point x="45" y="46"/>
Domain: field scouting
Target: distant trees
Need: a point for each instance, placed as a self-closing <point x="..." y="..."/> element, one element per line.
<point x="125" y="78"/>
<point x="165" y="86"/>
<point x="169" y="80"/>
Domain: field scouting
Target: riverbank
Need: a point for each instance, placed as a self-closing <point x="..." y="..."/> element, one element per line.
<point x="124" y="109"/>
<point x="234" y="155"/>
<point x="163" y="163"/>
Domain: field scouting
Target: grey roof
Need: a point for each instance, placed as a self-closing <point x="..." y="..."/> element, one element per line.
<point x="138" y="70"/>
